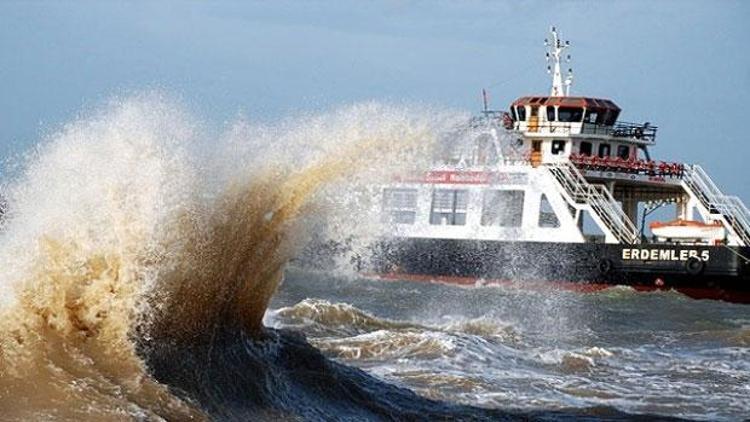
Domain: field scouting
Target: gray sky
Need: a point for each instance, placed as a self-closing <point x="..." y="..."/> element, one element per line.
<point x="678" y="64"/>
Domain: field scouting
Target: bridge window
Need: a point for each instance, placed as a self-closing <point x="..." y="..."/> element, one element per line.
<point x="550" y="113"/>
<point x="521" y="110"/>
<point x="570" y="114"/>
<point x="590" y="116"/>
<point x="605" y="150"/>
<point x="399" y="205"/>
<point x="558" y="147"/>
<point x="547" y="216"/>
<point x="449" y="207"/>
<point x="611" y="118"/>
<point x="623" y="151"/>
<point x="605" y="118"/>
<point x="502" y="208"/>
<point x="585" y="148"/>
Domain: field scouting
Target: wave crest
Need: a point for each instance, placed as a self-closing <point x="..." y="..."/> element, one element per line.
<point x="132" y="232"/>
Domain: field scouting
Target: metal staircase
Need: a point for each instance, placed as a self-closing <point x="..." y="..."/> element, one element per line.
<point x="581" y="195"/>
<point x="730" y="209"/>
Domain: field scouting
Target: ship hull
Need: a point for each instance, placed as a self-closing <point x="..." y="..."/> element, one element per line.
<point x="713" y="272"/>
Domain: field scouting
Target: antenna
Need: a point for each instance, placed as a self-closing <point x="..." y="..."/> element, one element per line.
<point x="485" y="101"/>
<point x="555" y="48"/>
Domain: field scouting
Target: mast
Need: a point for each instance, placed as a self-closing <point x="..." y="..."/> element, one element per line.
<point x="555" y="49"/>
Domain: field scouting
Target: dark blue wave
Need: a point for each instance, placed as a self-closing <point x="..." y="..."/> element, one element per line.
<point x="282" y="377"/>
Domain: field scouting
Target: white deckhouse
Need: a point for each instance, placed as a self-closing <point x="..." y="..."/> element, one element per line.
<point x="537" y="172"/>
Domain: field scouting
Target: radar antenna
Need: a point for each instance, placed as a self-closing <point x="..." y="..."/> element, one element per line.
<point x="555" y="49"/>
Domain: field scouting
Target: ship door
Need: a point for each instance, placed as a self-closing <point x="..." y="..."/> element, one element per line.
<point x="536" y="153"/>
<point x="534" y="119"/>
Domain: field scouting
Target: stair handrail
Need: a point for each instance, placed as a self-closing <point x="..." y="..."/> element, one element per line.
<point x="598" y="198"/>
<point x="740" y="206"/>
<point x="741" y="216"/>
<point x="627" y="229"/>
<point x="705" y="185"/>
<point x="731" y="208"/>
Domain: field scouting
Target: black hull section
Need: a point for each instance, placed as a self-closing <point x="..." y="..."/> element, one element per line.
<point x="717" y="272"/>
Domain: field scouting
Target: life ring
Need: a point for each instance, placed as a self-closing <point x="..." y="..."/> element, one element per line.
<point x="605" y="266"/>
<point x="694" y="265"/>
<point x="638" y="133"/>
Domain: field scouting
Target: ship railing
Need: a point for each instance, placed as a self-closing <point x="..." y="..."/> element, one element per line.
<point x="705" y="189"/>
<point x="561" y="128"/>
<point x="641" y="131"/>
<point x="731" y="208"/>
<point x="520" y="160"/>
<point x="488" y="164"/>
<point x="740" y="210"/>
<point x="615" y="216"/>
<point x="741" y="207"/>
<point x="735" y="212"/>
<point x="644" y="132"/>
<point x="598" y="198"/>
<point x="594" y="129"/>
<point x="630" y="166"/>
<point x="707" y="185"/>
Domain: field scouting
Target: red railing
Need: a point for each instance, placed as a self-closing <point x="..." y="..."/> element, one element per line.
<point x="617" y="164"/>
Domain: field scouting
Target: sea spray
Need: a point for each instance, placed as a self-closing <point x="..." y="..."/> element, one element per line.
<point x="121" y="241"/>
<point x="82" y="243"/>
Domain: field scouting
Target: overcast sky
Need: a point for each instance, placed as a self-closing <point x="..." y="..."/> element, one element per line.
<point x="681" y="65"/>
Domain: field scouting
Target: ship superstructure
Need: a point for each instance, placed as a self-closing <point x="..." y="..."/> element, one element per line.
<point x="552" y="189"/>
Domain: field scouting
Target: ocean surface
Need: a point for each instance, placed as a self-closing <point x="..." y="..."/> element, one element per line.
<point x="530" y="348"/>
<point x="146" y="276"/>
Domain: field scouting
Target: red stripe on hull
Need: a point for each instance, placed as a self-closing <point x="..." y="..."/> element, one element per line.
<point x="581" y="286"/>
<point x="473" y="281"/>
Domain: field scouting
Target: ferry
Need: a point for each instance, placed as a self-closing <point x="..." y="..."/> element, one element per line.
<point x="551" y="190"/>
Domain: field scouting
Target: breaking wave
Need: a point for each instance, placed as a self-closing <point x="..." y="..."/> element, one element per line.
<point x="140" y="251"/>
<point x="322" y="317"/>
<point x="346" y="332"/>
<point x="134" y="238"/>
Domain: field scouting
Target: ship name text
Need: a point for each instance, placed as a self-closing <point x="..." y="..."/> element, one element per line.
<point x="664" y="254"/>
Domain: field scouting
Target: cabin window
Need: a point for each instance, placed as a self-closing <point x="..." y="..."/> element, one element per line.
<point x="585" y="148"/>
<point x="558" y="147"/>
<point x="590" y="116"/>
<point x="502" y="208"/>
<point x="521" y="110"/>
<point x="400" y="206"/>
<point x="611" y="117"/>
<point x="623" y="151"/>
<point x="513" y="114"/>
<point x="570" y="114"/>
<point x="449" y="207"/>
<point x="605" y="118"/>
<point x="604" y="150"/>
<point x="550" y="113"/>
<point x="547" y="216"/>
<point x="534" y="111"/>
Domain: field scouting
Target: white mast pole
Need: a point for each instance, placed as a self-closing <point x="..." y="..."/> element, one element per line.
<point x="555" y="50"/>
